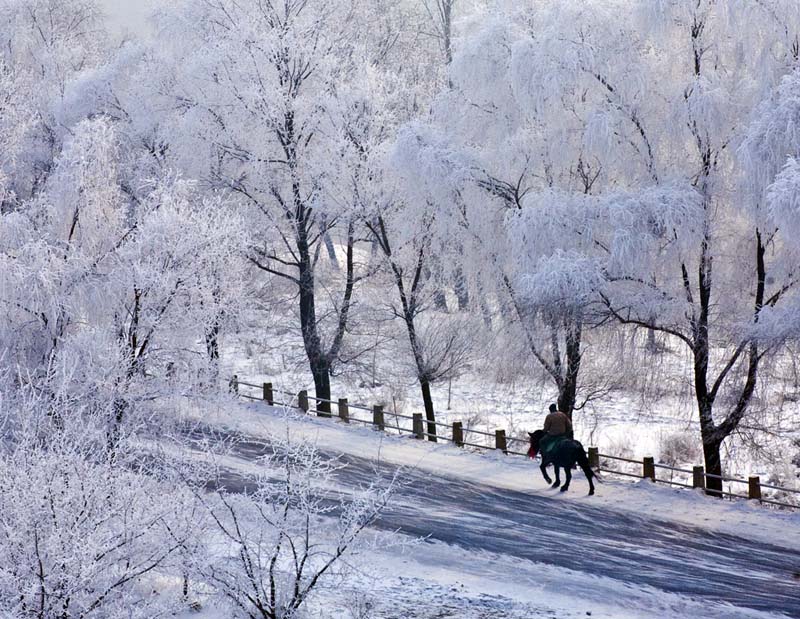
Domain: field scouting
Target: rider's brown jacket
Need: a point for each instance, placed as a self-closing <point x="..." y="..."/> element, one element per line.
<point x="557" y="424"/>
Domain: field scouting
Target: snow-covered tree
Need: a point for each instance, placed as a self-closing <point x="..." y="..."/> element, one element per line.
<point x="258" y="80"/>
<point x="45" y="44"/>
<point x="107" y="297"/>
<point x="498" y="148"/>
<point x="692" y="287"/>
<point x="287" y="536"/>
<point x="80" y="535"/>
<point x="573" y="123"/>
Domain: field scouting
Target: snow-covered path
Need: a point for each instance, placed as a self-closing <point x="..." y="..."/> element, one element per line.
<point x="577" y="535"/>
<point x="602" y="542"/>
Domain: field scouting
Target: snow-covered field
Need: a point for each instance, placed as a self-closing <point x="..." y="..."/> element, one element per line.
<point x="740" y="518"/>
<point x="508" y="202"/>
<point x="620" y="424"/>
<point x="455" y="579"/>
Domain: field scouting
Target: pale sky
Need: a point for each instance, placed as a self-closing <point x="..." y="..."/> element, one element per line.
<point x="127" y="15"/>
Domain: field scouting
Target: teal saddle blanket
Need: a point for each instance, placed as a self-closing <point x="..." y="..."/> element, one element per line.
<point x="548" y="444"/>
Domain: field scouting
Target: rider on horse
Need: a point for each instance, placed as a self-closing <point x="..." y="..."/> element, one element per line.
<point x="557" y="427"/>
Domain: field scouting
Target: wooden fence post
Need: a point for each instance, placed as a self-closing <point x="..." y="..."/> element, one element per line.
<point x="649" y="468"/>
<point x="234" y="384"/>
<point x="268" y="397"/>
<point x="377" y="417"/>
<point x="458" y="433"/>
<point x="500" y="441"/>
<point x="344" y="410"/>
<point x="302" y="400"/>
<point x="594" y="458"/>
<point x="698" y="477"/>
<point x="754" y="487"/>
<point x="419" y="432"/>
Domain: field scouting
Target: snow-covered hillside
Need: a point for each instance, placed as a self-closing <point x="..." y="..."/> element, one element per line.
<point x="468" y="211"/>
<point x="499" y="540"/>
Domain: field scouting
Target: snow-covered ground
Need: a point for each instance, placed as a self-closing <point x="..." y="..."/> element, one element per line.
<point x="620" y="423"/>
<point x="515" y="473"/>
<point x="439" y="581"/>
<point x="456" y="574"/>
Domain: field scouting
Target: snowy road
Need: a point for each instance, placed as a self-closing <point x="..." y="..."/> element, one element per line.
<point x="537" y="527"/>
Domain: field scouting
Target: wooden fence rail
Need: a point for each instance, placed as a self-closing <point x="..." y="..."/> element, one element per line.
<point x="459" y="435"/>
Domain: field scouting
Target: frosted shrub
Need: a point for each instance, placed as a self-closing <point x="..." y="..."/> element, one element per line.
<point x="79" y="539"/>
<point x="679" y="448"/>
<point x="621" y="447"/>
<point x="287" y="536"/>
<point x="785" y="475"/>
<point x="82" y="535"/>
<point x="360" y="606"/>
<point x="475" y="421"/>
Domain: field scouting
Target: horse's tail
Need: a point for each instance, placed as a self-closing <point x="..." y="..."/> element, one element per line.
<point x="583" y="462"/>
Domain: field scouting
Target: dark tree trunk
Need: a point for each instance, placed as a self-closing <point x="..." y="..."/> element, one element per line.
<point x="212" y="342"/>
<point x="409" y="302"/>
<point x="568" y="388"/>
<point x="712" y="446"/>
<point x="114" y="432"/>
<point x="212" y="348"/>
<point x="430" y="414"/>
<point x="462" y="290"/>
<point x="308" y="319"/>
<point x="326" y="238"/>
<point x="322" y="388"/>
<point x="703" y="392"/>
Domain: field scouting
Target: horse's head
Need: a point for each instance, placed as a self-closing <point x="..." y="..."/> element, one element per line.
<point x="535" y="437"/>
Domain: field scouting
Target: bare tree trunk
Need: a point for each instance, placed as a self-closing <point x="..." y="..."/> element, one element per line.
<point x="568" y="389"/>
<point x="308" y="320"/>
<point x="712" y="446"/>
<point x="212" y="346"/>
<point x="422" y="374"/>
<point x="329" y="247"/>
<point x="409" y="296"/>
<point x="331" y="251"/>
<point x="212" y="342"/>
<point x="430" y="414"/>
<point x="462" y="290"/>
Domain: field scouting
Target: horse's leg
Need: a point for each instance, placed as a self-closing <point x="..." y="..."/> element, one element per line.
<point x="557" y="482"/>
<point x="583" y="461"/>
<point x="543" y="468"/>
<point x="568" y="474"/>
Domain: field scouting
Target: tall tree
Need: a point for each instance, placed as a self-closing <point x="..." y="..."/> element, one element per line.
<point x="717" y="257"/>
<point x="47" y="44"/>
<point x="259" y="80"/>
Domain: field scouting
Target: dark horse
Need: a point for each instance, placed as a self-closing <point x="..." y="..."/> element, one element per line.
<point x="564" y="456"/>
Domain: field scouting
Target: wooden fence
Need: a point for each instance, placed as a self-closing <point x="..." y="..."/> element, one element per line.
<point x="457" y="434"/>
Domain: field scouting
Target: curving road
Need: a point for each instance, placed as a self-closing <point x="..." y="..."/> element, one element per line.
<point x="533" y="526"/>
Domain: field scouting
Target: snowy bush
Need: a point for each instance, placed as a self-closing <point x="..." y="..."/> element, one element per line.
<point x="83" y="534"/>
<point x="680" y="449"/>
<point x="621" y="447"/>
<point x="288" y="533"/>
<point x="107" y="302"/>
